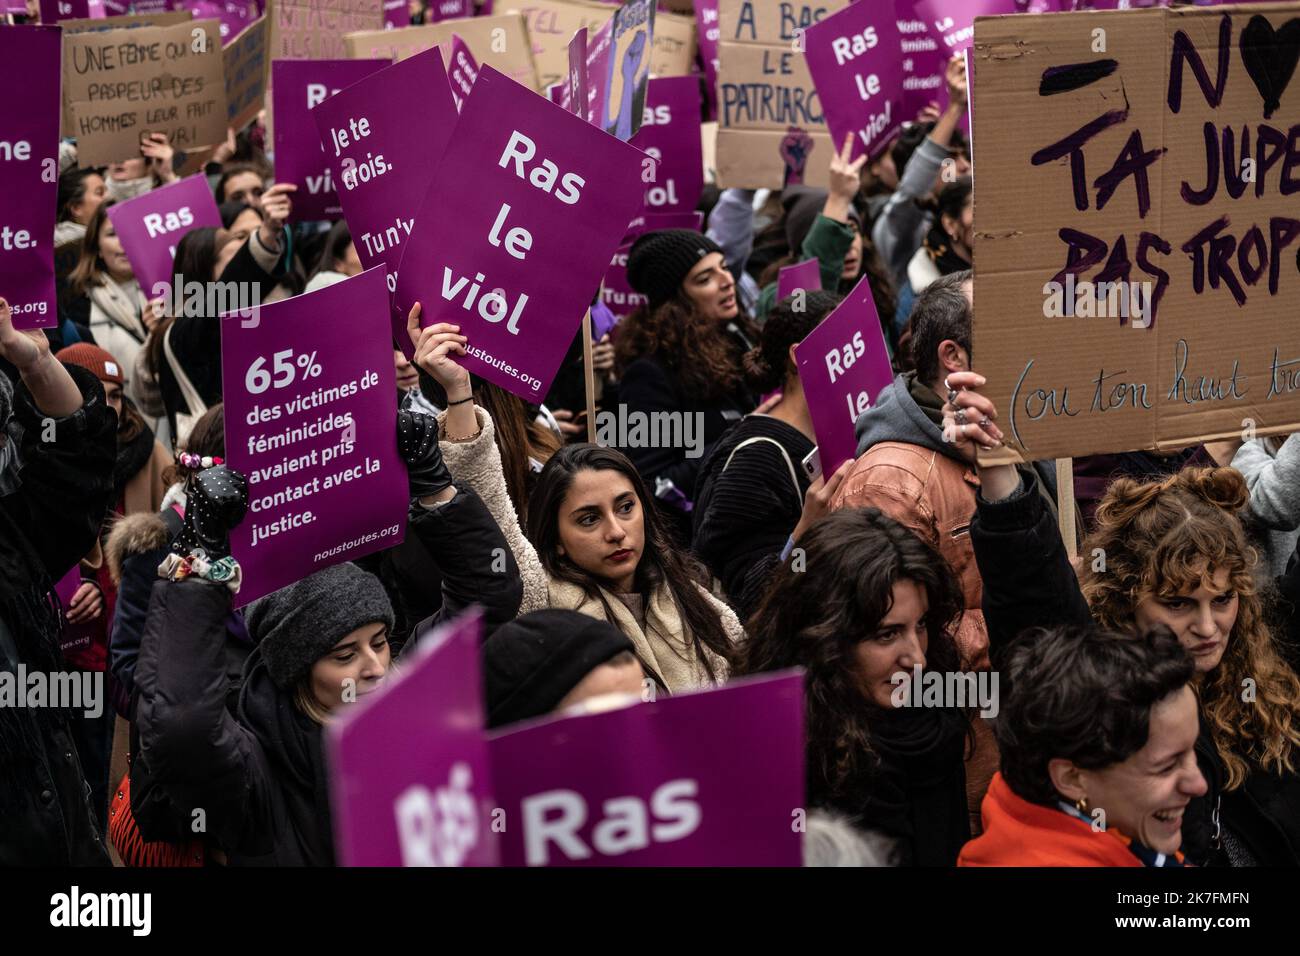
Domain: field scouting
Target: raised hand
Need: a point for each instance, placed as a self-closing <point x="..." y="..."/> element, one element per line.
<point x="216" y="501"/>
<point x="434" y="351"/>
<point x="417" y="443"/>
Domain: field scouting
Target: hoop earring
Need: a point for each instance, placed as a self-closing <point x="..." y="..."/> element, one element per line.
<point x="1082" y="805"/>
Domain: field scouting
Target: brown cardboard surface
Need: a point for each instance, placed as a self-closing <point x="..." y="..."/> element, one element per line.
<point x="766" y="87"/>
<point x="551" y="25"/>
<point x="770" y="21"/>
<point x="500" y="41"/>
<point x="1208" y="367"/>
<point x="164" y="18"/>
<point x="673" y="53"/>
<point x="752" y="159"/>
<point x="120" y="84"/>
<point x="246" y="68"/>
<point x="314" y="29"/>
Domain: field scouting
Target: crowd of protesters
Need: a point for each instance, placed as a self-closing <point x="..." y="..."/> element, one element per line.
<point x="1123" y="737"/>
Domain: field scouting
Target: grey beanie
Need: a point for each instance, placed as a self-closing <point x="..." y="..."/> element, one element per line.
<point x="297" y="625"/>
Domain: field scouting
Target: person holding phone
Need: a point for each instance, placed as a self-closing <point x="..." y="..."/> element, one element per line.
<point x="140" y="174"/>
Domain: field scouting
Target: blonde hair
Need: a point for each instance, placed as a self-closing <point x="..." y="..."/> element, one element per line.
<point x="306" y="702"/>
<point x="1161" y="538"/>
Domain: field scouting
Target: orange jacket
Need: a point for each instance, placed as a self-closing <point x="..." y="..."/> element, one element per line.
<point x="1020" y="833"/>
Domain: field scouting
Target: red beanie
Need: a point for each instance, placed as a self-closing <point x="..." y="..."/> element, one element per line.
<point x="96" y="360"/>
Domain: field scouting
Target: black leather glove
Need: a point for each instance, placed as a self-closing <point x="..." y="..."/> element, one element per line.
<point x="417" y="443"/>
<point x="216" y="501"/>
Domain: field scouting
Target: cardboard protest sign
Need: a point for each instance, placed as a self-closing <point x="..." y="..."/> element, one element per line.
<point x="382" y="161"/>
<point x="245" y="65"/>
<point x="314" y="29"/>
<point x="120" y="84"/>
<point x="843" y="364"/>
<point x="462" y="69"/>
<point x="670" y="134"/>
<point x="151" y="225"/>
<point x="308" y="384"/>
<point x="410" y="782"/>
<point x="772" y="132"/>
<point x="804" y="275"/>
<point x="296" y="87"/>
<point x="551" y="24"/>
<point x="133" y="21"/>
<point x="618" y="69"/>
<point x="515" y="261"/>
<point x="1137" y="228"/>
<point x="856" y="60"/>
<point x="641" y="786"/>
<point x="29" y="150"/>
<point x="673" y="51"/>
<point x="499" y="41"/>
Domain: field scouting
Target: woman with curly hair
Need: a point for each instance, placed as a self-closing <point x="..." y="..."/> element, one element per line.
<point x="869" y="602"/>
<point x="1171" y="553"/>
<point x="681" y="354"/>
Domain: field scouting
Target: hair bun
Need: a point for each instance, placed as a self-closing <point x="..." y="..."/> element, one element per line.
<point x="1125" y="498"/>
<point x="760" y="375"/>
<point x="1224" y="487"/>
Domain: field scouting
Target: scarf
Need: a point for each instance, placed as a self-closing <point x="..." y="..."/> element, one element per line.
<point x="122" y="303"/>
<point x="120" y="190"/>
<point x="939" y="248"/>
<point x="131" y="457"/>
<point x="68" y="231"/>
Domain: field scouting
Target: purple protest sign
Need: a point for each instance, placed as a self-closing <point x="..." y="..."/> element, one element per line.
<point x="953" y="21"/>
<point x="642" y="786"/>
<point x="53" y="11"/>
<point x="440" y="10"/>
<point x="618" y="69"/>
<point x="461" y="73"/>
<point x="670" y="133"/>
<point x="616" y="293"/>
<point x="74" y="639"/>
<point x="708" y="32"/>
<point x="234" y="15"/>
<point x="576" y="92"/>
<point x="645" y="222"/>
<point x="29" y="148"/>
<point x="923" y="59"/>
<point x="311" y="420"/>
<point x="855" y="57"/>
<point x="843" y="365"/>
<point x="297" y="87"/>
<point x="409" y="771"/>
<point x="397" y="14"/>
<point x="804" y="275"/>
<point x="515" y="260"/>
<point x="384" y="162"/>
<point x="151" y="225"/>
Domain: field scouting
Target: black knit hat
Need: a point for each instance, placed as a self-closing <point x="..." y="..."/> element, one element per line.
<point x="803" y="204"/>
<point x="659" y="262"/>
<point x="298" y="624"/>
<point x="531" y="663"/>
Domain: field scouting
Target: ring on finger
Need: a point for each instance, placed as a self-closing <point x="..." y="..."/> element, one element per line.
<point x="961" y="416"/>
<point x="952" y="396"/>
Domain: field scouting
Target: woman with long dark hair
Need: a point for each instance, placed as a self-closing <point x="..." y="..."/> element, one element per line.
<point x="866" y="611"/>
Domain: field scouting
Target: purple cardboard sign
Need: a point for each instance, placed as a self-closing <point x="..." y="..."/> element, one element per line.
<point x="440" y="10"/>
<point x="804" y="275"/>
<point x="234" y="15"/>
<point x="645" y="222"/>
<point x="616" y="293"/>
<point x="670" y="133"/>
<point x="514" y="260"/>
<point x="409" y="774"/>
<point x="708" y="33"/>
<point x="843" y="365"/>
<point x="73" y="637"/>
<point x="618" y="69"/>
<point x="953" y="21"/>
<point x="311" y="420"/>
<point x="52" y="11"/>
<point x="642" y="786"/>
<point x="297" y="87"/>
<point x="855" y="57"/>
<point x="576" y="94"/>
<point x="29" y="130"/>
<point x="461" y="74"/>
<point x="381" y="162"/>
<point x="923" y="60"/>
<point x="151" y="225"/>
<point x="397" y="14"/>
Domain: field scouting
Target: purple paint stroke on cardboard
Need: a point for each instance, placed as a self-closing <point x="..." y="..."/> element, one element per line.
<point x="843" y="365"/>
<point x="856" y="61"/>
<point x="804" y="275"/>
<point x="515" y="261"/>
<point x="410" y="779"/>
<point x="29" y="127"/>
<point x="150" y="227"/>
<point x="577" y="785"/>
<point x="381" y="162"/>
<point x="311" y="420"/>
<point x="298" y="86"/>
<point x="670" y="133"/>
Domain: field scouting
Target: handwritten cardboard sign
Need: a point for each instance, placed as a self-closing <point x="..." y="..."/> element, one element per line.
<point x="150" y="226"/>
<point x="381" y="162"/>
<point x="410" y="781"/>
<point x="246" y="68"/>
<point x="771" y="128"/>
<point x="673" y="50"/>
<point x="29" y="149"/>
<point x="314" y="29"/>
<point x="551" y="24"/>
<point x="310" y="420"/>
<point x="497" y="41"/>
<point x="121" y="84"/>
<point x="843" y="364"/>
<point x="296" y="87"/>
<point x="1167" y="169"/>
<point x="516" y="261"/>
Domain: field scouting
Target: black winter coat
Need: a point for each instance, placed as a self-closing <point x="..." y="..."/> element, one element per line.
<point x="1028" y="582"/>
<point x="47" y="524"/>
<point x="259" y="776"/>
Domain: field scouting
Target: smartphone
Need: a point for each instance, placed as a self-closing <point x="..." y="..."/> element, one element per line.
<point x="812" y="464"/>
